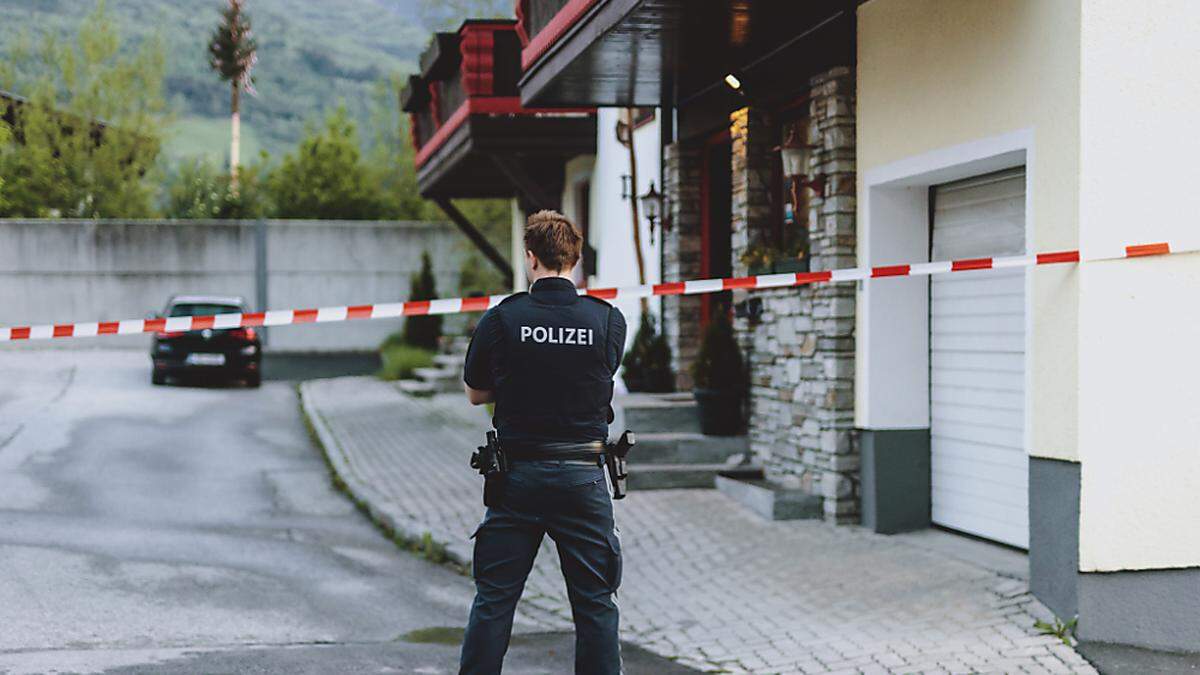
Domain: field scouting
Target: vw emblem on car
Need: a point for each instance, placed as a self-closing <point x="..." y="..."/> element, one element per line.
<point x="206" y="333"/>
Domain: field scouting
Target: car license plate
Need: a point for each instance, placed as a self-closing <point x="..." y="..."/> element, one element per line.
<point x="206" y="359"/>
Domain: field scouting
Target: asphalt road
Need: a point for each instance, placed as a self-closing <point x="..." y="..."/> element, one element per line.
<point x="194" y="529"/>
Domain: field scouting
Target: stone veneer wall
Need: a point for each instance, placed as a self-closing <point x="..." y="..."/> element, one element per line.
<point x="801" y="348"/>
<point x="681" y="257"/>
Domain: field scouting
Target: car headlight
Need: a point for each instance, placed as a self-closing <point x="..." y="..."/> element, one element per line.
<point x="249" y="350"/>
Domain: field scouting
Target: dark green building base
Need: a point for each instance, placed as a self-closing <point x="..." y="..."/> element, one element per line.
<point x="895" y="479"/>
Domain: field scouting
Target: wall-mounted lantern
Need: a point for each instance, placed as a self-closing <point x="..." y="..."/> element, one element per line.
<point x="794" y="155"/>
<point x="652" y="207"/>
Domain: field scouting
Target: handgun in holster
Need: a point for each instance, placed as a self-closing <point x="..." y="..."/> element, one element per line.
<point x="614" y="460"/>
<point x="489" y="461"/>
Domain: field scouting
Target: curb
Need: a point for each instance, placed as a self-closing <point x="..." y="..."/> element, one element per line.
<point x="375" y="505"/>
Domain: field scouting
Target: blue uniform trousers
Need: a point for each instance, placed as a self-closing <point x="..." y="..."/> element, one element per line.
<point x="570" y="502"/>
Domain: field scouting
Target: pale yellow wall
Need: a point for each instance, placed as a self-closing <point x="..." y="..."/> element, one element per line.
<point x="940" y="73"/>
<point x="1139" y="347"/>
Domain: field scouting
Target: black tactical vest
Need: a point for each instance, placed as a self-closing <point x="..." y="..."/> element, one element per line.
<point x="554" y="361"/>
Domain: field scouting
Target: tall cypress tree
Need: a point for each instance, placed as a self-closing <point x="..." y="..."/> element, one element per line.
<point x="423" y="331"/>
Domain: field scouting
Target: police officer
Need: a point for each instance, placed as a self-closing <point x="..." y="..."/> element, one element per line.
<point x="546" y="358"/>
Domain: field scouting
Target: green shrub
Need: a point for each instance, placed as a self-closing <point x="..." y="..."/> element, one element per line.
<point x="325" y="177"/>
<point x="199" y="190"/>
<point x="401" y="360"/>
<point x="86" y="144"/>
<point x="478" y="277"/>
<point x="648" y="361"/>
<point x="719" y="363"/>
<point x="423" y="331"/>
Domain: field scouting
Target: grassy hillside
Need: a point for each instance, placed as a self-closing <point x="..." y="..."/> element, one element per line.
<point x="313" y="54"/>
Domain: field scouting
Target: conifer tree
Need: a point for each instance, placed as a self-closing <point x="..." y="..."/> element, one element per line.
<point x="648" y="361"/>
<point x="423" y="331"/>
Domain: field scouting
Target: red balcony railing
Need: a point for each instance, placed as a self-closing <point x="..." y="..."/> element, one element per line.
<point x="540" y="23"/>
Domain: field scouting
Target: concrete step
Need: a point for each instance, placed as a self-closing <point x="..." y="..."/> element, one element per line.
<point x="432" y="373"/>
<point x="416" y="388"/>
<point x="454" y="361"/>
<point x="445" y="379"/>
<point x="659" y="412"/>
<point x="457" y="344"/>
<point x="675" y="476"/>
<point x="770" y="500"/>
<point x="655" y="447"/>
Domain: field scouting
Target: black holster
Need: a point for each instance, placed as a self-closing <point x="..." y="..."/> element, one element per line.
<point x="614" y="461"/>
<point x="489" y="460"/>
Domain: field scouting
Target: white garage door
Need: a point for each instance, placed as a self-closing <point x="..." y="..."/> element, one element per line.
<point x="977" y="362"/>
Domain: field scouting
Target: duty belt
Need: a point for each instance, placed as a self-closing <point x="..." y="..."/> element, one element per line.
<point x="553" y="452"/>
<point x="492" y="461"/>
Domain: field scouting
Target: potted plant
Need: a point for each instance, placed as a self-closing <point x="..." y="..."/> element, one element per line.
<point x="765" y="259"/>
<point x="647" y="364"/>
<point x="719" y="380"/>
<point x="783" y="253"/>
<point x="757" y="258"/>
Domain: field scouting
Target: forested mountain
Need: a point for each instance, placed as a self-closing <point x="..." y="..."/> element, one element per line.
<point x="313" y="55"/>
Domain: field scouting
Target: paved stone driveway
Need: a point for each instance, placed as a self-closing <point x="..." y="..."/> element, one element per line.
<point x="706" y="581"/>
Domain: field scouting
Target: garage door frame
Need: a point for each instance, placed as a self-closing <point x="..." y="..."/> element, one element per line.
<point x="892" y="408"/>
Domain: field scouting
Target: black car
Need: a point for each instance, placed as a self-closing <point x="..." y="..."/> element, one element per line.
<point x="228" y="353"/>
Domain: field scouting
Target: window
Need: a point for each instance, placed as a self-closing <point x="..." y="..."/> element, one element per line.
<point x="197" y="309"/>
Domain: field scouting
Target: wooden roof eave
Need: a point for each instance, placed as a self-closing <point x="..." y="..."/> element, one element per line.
<point x="464" y="165"/>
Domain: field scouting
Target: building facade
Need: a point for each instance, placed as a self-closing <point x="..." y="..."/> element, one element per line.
<point x="1009" y="127"/>
<point x="1018" y="405"/>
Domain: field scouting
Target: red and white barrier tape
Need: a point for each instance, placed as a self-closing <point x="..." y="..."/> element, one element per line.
<point x="457" y="305"/>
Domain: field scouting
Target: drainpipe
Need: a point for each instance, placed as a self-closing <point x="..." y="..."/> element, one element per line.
<point x="260" y="271"/>
<point x="633" y="207"/>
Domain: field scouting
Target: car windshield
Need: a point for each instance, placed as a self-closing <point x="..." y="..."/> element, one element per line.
<point x="202" y="309"/>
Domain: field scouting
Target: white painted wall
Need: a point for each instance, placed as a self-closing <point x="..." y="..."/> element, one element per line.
<point x="611" y="218"/>
<point x="893" y="324"/>
<point x="1139" y="322"/>
<point x="945" y="88"/>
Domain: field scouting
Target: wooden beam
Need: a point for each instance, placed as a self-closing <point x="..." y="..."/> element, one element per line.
<point x="485" y="247"/>
<point x="530" y="189"/>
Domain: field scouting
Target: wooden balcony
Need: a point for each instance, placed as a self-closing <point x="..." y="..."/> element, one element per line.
<point x="473" y="137"/>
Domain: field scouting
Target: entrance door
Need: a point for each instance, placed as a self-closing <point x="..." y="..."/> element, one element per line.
<point x="977" y="361"/>
<point x="716" y="211"/>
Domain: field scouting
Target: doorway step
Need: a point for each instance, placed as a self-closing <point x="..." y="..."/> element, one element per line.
<point x="670" y="451"/>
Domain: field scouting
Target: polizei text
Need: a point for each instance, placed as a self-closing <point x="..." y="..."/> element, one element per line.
<point x="558" y="335"/>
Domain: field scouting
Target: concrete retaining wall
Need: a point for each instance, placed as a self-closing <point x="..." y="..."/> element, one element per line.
<point x="54" y="271"/>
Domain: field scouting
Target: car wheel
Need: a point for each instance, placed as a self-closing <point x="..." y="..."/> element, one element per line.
<point x="158" y="378"/>
<point x="254" y="380"/>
